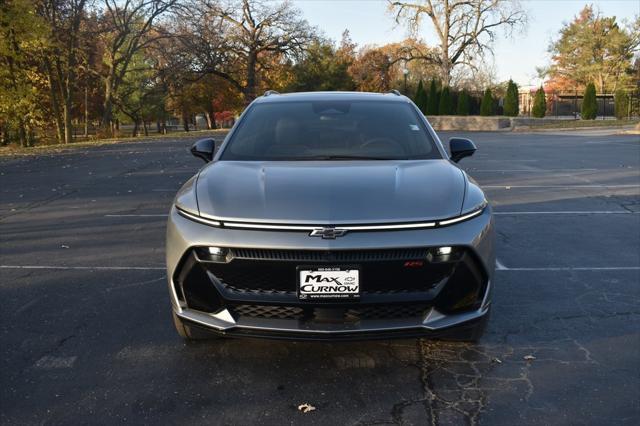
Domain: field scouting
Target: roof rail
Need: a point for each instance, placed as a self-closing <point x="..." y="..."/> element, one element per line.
<point x="271" y="92"/>
<point x="395" y="92"/>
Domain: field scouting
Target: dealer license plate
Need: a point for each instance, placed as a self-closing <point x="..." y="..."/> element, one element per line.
<point x="328" y="283"/>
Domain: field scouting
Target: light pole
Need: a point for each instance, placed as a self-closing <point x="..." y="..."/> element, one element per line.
<point x="406" y="73"/>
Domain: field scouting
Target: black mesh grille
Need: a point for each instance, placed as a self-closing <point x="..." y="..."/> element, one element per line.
<point x="260" y="311"/>
<point x="330" y="256"/>
<point x="352" y="314"/>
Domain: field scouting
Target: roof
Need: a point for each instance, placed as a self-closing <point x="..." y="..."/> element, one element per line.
<point x="330" y="96"/>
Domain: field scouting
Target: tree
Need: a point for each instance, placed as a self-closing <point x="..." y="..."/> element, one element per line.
<point x="128" y="28"/>
<point x="445" y="106"/>
<point x="486" y="107"/>
<point x="593" y="48"/>
<point x="321" y="68"/>
<point x="420" y="98"/>
<point x="23" y="35"/>
<point x="622" y="104"/>
<point x="463" y="103"/>
<point x="589" y="103"/>
<point x="511" y="107"/>
<point x="466" y="29"/>
<point x="243" y="40"/>
<point x="539" y="104"/>
<point x="370" y="71"/>
<point x="433" y="100"/>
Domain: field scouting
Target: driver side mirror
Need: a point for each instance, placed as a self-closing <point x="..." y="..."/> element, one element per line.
<point x="204" y="148"/>
<point x="460" y="148"/>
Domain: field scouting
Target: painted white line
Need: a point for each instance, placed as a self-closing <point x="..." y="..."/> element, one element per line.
<point x="500" y="266"/>
<point x="85" y="268"/>
<point x="135" y="215"/>
<point x="534" y="170"/>
<point x="561" y="186"/>
<point x="576" y="212"/>
<point x="570" y="268"/>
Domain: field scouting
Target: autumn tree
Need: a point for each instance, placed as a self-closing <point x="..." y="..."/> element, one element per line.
<point x="593" y="48"/>
<point x="371" y="71"/>
<point x="23" y="35"/>
<point x="622" y="105"/>
<point x="241" y="40"/>
<point x="466" y="29"/>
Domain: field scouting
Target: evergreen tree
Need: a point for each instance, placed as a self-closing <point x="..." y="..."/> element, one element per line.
<point x="511" y="107"/>
<point x="420" y="98"/>
<point x="463" y="103"/>
<point x="622" y="104"/>
<point x="445" y="106"/>
<point x="433" y="100"/>
<point x="486" y="107"/>
<point x="589" y="103"/>
<point x="539" y="104"/>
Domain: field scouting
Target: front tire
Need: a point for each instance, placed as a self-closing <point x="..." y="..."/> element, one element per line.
<point x="190" y="333"/>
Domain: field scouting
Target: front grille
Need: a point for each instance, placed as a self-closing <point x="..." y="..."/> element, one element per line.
<point x="330" y="256"/>
<point x="351" y="314"/>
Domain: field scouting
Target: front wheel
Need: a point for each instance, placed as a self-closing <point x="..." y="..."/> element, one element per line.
<point x="188" y="332"/>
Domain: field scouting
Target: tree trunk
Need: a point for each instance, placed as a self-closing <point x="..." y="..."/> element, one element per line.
<point x="135" y="128"/>
<point x="185" y="121"/>
<point x="107" y="115"/>
<point x="55" y="101"/>
<point x="145" y="128"/>
<point x="249" y="90"/>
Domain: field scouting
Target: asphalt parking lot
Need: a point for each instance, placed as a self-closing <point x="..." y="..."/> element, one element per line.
<point x="86" y="335"/>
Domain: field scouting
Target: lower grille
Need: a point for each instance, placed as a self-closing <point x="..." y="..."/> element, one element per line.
<point x="351" y="314"/>
<point x="260" y="311"/>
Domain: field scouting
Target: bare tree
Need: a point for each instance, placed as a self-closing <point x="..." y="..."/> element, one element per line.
<point x="129" y="26"/>
<point x="238" y="40"/>
<point x="466" y="29"/>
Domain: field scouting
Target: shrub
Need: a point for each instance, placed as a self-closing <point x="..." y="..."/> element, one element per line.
<point x="463" y="103"/>
<point x="446" y="106"/>
<point x="622" y="104"/>
<point x="539" y="104"/>
<point x="486" y="107"/>
<point x="421" y="98"/>
<point x="433" y="99"/>
<point x="511" y="107"/>
<point x="589" y="103"/>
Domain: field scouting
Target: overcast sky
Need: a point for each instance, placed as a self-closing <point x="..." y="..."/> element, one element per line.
<point x="516" y="57"/>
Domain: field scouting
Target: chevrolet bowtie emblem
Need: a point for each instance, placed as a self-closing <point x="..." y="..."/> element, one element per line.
<point x="328" y="233"/>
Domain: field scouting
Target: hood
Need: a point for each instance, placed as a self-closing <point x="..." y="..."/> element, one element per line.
<point x="337" y="192"/>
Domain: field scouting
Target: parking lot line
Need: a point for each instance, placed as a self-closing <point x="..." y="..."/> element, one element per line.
<point x="567" y="212"/>
<point x="633" y="185"/>
<point x="573" y="268"/>
<point x="135" y="215"/>
<point x="84" y="268"/>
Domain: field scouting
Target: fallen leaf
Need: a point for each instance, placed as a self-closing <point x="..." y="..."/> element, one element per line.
<point x="64" y="246"/>
<point x="507" y="187"/>
<point x="496" y="360"/>
<point x="306" y="407"/>
<point x="529" y="357"/>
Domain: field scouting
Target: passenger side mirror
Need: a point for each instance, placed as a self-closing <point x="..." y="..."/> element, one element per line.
<point x="204" y="148"/>
<point x="460" y="148"/>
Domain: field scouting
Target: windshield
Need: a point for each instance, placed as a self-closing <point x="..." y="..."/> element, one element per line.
<point x="330" y="130"/>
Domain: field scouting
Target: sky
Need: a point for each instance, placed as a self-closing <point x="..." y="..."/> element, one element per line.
<point x="516" y="57"/>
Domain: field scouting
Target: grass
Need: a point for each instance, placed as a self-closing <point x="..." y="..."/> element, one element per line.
<point x="15" y="150"/>
<point x="577" y="124"/>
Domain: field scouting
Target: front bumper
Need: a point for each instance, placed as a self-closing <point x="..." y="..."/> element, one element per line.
<point x="277" y="313"/>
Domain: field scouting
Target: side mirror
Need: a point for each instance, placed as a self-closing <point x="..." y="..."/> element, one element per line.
<point x="204" y="148"/>
<point x="460" y="148"/>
